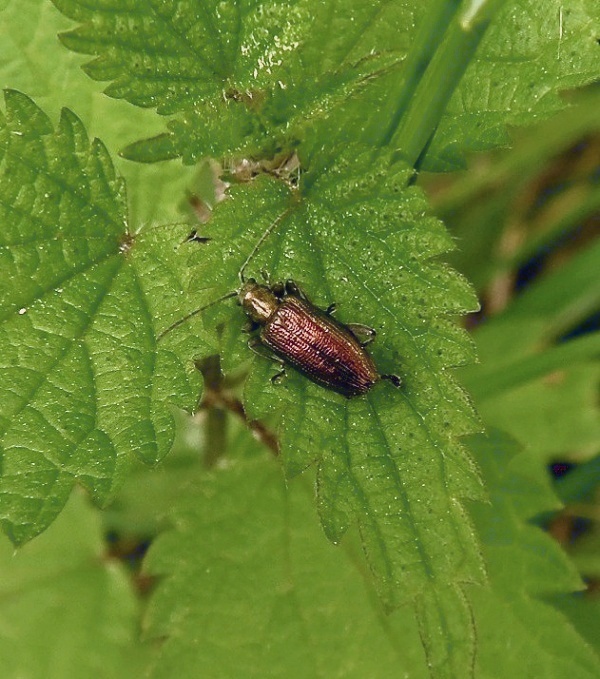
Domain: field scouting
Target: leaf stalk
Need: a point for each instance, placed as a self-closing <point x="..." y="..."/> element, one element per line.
<point x="428" y="102"/>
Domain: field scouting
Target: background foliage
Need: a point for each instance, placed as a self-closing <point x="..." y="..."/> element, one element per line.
<point x="442" y="567"/>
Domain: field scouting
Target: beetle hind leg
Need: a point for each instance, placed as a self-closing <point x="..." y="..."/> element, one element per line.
<point x="394" y="379"/>
<point x="279" y="376"/>
<point x="363" y="333"/>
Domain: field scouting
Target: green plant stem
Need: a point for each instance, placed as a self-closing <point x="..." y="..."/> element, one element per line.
<point x="584" y="208"/>
<point x="441" y="78"/>
<point x="429" y="36"/>
<point x="216" y="418"/>
<point x="484" y="384"/>
<point x="560" y="301"/>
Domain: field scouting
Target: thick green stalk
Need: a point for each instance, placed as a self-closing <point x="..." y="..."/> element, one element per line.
<point x="428" y="39"/>
<point x="441" y="78"/>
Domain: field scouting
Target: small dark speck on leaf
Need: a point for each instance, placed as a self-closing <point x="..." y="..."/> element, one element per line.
<point x="194" y="237"/>
<point x="127" y="240"/>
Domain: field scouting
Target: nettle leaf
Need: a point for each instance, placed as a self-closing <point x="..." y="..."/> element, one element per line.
<point x="143" y="46"/>
<point x="66" y="609"/>
<point x="246" y="566"/>
<point x="516" y="628"/>
<point x="255" y="76"/>
<point x="532" y="52"/>
<point x="232" y="69"/>
<point x="389" y="461"/>
<point x="82" y="385"/>
<point x="32" y="61"/>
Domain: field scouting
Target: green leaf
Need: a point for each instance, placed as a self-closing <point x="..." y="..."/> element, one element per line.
<point x="516" y="629"/>
<point x="172" y="55"/>
<point x="389" y="461"/>
<point x="262" y="75"/>
<point x="532" y="52"/>
<point x="103" y="390"/>
<point x="247" y="567"/>
<point x="553" y="416"/>
<point x="583" y="612"/>
<point x="66" y="609"/>
<point x="33" y="61"/>
<point x="83" y="386"/>
<point x="254" y="96"/>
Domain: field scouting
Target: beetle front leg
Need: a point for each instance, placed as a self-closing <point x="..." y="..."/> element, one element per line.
<point x="250" y="326"/>
<point x="279" y="290"/>
<point x="292" y="288"/>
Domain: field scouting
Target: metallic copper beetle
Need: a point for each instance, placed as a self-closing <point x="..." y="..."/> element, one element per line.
<point x="294" y="331"/>
<point x="310" y="339"/>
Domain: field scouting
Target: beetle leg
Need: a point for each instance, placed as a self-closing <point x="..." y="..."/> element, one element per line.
<point x="278" y="289"/>
<point x="331" y="309"/>
<point x="278" y="375"/>
<point x="292" y="288"/>
<point x="265" y="276"/>
<point x="195" y="237"/>
<point x="249" y="326"/>
<point x="363" y="333"/>
<point x="255" y="345"/>
<point x="394" y="379"/>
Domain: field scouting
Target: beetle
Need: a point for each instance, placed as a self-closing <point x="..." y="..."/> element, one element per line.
<point x="309" y="339"/>
<point x="295" y="332"/>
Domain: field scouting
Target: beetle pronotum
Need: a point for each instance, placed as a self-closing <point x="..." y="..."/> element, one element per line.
<point x="294" y="331"/>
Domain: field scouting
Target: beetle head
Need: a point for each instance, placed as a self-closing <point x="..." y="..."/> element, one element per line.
<point x="258" y="301"/>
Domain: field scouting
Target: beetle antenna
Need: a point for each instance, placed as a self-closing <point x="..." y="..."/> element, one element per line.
<point x="195" y="313"/>
<point x="269" y="230"/>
